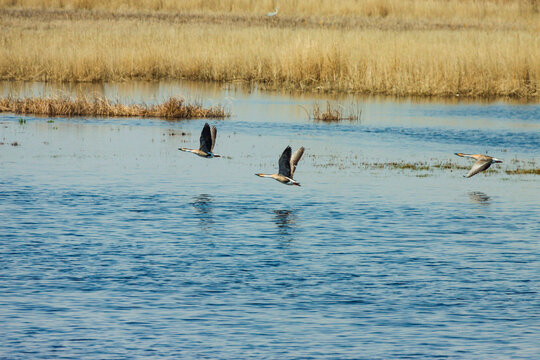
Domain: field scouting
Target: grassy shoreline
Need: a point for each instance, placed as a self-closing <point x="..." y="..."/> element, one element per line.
<point x="173" y="108"/>
<point x="417" y="54"/>
<point x="442" y="10"/>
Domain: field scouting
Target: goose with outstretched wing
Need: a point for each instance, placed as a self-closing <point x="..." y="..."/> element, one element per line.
<point x="287" y="166"/>
<point x="207" y="142"/>
<point x="483" y="162"/>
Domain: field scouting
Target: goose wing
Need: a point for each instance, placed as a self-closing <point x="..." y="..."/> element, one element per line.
<point x="285" y="162"/>
<point x="206" y="139"/>
<point x="295" y="158"/>
<point x="478" y="166"/>
<point x="213" y="132"/>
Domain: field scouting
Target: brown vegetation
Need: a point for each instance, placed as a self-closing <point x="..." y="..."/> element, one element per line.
<point x="425" y="167"/>
<point x="535" y="171"/>
<point x="331" y="114"/>
<point x="418" y="47"/>
<point x="502" y="10"/>
<point x="174" y="108"/>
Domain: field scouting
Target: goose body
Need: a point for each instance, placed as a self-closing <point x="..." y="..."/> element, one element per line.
<point x="287" y="165"/>
<point x="483" y="162"/>
<point x="207" y="142"/>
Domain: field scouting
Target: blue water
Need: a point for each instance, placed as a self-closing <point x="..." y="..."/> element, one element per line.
<point x="116" y="245"/>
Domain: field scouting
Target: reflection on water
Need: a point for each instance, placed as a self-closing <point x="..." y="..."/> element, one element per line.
<point x="479" y="197"/>
<point x="203" y="205"/>
<point x="285" y="221"/>
<point x="261" y="106"/>
<point x="126" y="92"/>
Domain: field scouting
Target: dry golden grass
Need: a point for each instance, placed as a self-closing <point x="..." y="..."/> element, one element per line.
<point x="419" y="47"/>
<point x="333" y="113"/>
<point x="174" y="108"/>
<point x="505" y="10"/>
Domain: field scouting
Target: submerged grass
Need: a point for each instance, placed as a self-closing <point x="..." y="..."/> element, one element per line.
<point x="174" y="108"/>
<point x="419" y="47"/>
<point x="535" y="171"/>
<point x="423" y="168"/>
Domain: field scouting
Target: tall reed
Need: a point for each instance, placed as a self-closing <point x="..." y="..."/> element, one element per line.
<point x="333" y="113"/>
<point x="495" y="57"/>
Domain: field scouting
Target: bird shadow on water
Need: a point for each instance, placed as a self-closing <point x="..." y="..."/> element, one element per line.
<point x="286" y="222"/>
<point x="479" y="197"/>
<point x="203" y="204"/>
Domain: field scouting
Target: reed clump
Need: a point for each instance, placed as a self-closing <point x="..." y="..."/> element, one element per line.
<point x="328" y="115"/>
<point x="173" y="108"/>
<point x="333" y="113"/>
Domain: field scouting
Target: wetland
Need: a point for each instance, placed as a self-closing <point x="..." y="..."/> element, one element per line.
<point x="116" y="244"/>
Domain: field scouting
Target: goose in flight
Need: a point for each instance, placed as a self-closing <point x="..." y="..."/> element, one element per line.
<point x="287" y="165"/>
<point x="208" y="140"/>
<point x="273" y="13"/>
<point x="483" y="162"/>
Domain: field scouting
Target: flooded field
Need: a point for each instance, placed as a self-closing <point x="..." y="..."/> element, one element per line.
<point x="117" y="245"/>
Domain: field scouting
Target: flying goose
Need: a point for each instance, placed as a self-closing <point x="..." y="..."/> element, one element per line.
<point x="483" y="162"/>
<point x="287" y="165"/>
<point x="208" y="140"/>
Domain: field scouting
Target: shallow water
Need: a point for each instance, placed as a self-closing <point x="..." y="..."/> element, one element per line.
<point x="116" y="245"/>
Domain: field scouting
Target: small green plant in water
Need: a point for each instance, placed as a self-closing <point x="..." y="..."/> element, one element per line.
<point x="22" y="121"/>
<point x="50" y="121"/>
<point x="535" y="171"/>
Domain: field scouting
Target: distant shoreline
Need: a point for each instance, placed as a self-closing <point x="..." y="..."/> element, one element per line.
<point x="412" y="55"/>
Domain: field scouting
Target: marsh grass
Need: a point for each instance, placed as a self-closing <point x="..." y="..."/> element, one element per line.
<point x="333" y="113"/>
<point x="425" y="168"/>
<point x="449" y="165"/>
<point x="521" y="171"/>
<point x="483" y="48"/>
<point x="401" y="165"/>
<point x="174" y="108"/>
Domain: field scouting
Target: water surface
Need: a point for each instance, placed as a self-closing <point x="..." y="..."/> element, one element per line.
<point x="116" y="245"/>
